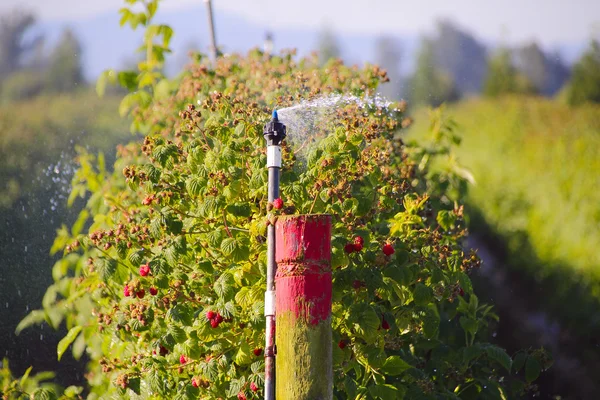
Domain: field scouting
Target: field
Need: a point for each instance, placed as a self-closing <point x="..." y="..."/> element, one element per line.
<point x="536" y="166"/>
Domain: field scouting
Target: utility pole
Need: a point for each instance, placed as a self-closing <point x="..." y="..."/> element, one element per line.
<point x="303" y="303"/>
<point x="211" y="27"/>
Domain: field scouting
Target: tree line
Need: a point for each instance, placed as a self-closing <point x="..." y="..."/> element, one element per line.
<point x="453" y="64"/>
<point x="28" y="68"/>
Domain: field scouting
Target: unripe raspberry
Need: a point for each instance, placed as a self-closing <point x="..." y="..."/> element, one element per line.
<point x="278" y="203"/>
<point x="388" y="249"/>
<point x="145" y="270"/>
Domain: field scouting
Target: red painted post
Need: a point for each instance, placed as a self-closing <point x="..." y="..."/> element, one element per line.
<point x="303" y="307"/>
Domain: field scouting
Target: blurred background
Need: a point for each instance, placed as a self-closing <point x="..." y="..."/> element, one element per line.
<point x="520" y="79"/>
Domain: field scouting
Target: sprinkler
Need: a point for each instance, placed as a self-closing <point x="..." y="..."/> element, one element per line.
<point x="274" y="133"/>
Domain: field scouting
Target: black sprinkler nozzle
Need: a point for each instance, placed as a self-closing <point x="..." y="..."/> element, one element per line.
<point x="274" y="131"/>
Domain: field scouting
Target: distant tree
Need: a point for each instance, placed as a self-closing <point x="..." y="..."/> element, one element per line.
<point x="460" y="55"/>
<point x="388" y="56"/>
<point x="546" y="73"/>
<point x="503" y="78"/>
<point x="429" y="85"/>
<point x="64" y="70"/>
<point x="13" y="47"/>
<point x="328" y="46"/>
<point x="584" y="85"/>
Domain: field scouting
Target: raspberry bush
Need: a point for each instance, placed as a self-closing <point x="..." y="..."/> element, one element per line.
<point x="163" y="276"/>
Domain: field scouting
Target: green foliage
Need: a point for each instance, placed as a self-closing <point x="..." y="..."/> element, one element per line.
<point x="429" y="84"/>
<point x="584" y="85"/>
<point x="32" y="387"/>
<point x="64" y="69"/>
<point x="191" y="203"/>
<point x="536" y="167"/>
<point x="503" y="78"/>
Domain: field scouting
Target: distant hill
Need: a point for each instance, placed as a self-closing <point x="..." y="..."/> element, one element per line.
<point x="106" y="45"/>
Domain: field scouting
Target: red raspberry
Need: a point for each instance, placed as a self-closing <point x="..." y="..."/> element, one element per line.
<point x="461" y="292"/>
<point x="277" y="203"/>
<point x="349" y="248"/>
<point x="241" y="396"/>
<point x="342" y="344"/>
<point x="182" y="359"/>
<point x="253" y="387"/>
<point x="359" y="240"/>
<point x="358" y="247"/>
<point x="163" y="351"/>
<point x="145" y="270"/>
<point x="214" y="323"/>
<point x="388" y="249"/>
<point x="257" y="351"/>
<point x="219" y="318"/>
<point x="140" y="293"/>
<point x="211" y="315"/>
<point x="358" y="284"/>
<point x="385" y="325"/>
<point x="153" y="291"/>
<point x="126" y="291"/>
<point x="195" y="382"/>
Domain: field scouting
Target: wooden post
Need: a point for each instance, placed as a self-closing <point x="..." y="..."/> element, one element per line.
<point x="303" y="307"/>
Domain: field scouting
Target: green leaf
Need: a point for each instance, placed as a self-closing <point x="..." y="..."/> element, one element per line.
<point x="472" y="352"/>
<point x="106" y="268"/>
<point x="468" y="324"/>
<point x="65" y="342"/>
<point x="519" y="361"/>
<point x="243" y="355"/>
<point x="194" y="186"/>
<point x="43" y="394"/>
<point x="181" y="314"/>
<point x="367" y="321"/>
<point x="394" y="365"/>
<point x="422" y="294"/>
<point x="500" y="356"/>
<point x="33" y="318"/>
<point x="128" y="80"/>
<point x="177" y="333"/>
<point x="532" y="369"/>
<point x="446" y="219"/>
<point x="25" y="376"/>
<point x="385" y="392"/>
<point x="223" y="286"/>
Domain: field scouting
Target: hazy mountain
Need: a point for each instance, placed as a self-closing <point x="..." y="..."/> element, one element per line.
<point x="106" y="45"/>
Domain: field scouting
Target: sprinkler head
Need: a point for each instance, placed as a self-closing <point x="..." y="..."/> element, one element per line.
<point x="274" y="131"/>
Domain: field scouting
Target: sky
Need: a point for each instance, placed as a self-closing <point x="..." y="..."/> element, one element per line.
<point x="510" y="21"/>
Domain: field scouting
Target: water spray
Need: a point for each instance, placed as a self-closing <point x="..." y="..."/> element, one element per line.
<point x="274" y="133"/>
